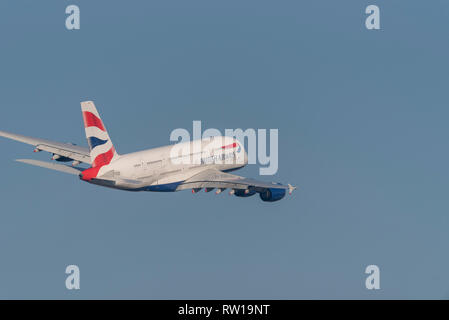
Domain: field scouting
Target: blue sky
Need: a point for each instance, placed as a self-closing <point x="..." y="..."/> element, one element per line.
<point x="362" y="119"/>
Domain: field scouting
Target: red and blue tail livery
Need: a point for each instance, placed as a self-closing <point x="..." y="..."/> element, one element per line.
<point x="102" y="151"/>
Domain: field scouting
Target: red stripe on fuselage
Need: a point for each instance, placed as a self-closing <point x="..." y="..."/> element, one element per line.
<point x="90" y="173"/>
<point x="233" y="145"/>
<point x="91" y="120"/>
<point x="100" y="161"/>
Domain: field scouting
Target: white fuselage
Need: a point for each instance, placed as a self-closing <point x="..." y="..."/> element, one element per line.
<point x="176" y="163"/>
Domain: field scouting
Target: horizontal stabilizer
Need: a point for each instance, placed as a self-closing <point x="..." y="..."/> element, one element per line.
<point x="68" y="150"/>
<point x="52" y="166"/>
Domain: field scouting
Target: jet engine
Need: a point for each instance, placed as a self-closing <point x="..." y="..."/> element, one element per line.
<point x="244" y="193"/>
<point x="272" y="194"/>
<point x="59" y="158"/>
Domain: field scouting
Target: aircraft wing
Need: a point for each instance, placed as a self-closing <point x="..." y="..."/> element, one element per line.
<point x="213" y="178"/>
<point x="52" y="166"/>
<point x="67" y="150"/>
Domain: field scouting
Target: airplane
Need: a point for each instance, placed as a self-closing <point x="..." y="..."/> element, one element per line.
<point x="158" y="169"/>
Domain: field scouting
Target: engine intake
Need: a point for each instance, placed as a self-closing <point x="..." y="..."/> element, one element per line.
<point x="272" y="194"/>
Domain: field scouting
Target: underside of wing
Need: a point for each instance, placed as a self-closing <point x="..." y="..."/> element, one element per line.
<point x="240" y="186"/>
<point x="61" y="151"/>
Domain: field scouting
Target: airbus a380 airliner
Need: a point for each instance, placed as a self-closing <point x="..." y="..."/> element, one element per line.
<point x="154" y="169"/>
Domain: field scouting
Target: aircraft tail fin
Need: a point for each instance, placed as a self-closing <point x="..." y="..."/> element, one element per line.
<point x="102" y="151"/>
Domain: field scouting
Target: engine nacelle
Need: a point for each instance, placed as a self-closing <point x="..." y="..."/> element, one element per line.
<point x="244" y="193"/>
<point x="59" y="158"/>
<point x="272" y="194"/>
